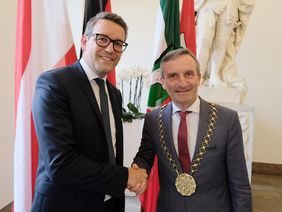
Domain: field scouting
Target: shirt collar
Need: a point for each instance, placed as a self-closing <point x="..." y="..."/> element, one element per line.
<point x="88" y="71"/>
<point x="195" y="107"/>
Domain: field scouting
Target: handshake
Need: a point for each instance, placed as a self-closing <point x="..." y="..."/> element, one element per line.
<point x="137" y="179"/>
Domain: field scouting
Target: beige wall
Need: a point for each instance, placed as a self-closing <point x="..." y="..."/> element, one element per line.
<point x="258" y="60"/>
<point x="7" y="49"/>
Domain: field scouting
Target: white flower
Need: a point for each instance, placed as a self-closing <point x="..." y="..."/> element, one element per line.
<point x="123" y="72"/>
<point x="131" y="79"/>
<point x="145" y="75"/>
<point x="135" y="72"/>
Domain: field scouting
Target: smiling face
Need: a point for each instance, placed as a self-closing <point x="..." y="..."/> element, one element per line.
<point x="102" y="59"/>
<point x="181" y="80"/>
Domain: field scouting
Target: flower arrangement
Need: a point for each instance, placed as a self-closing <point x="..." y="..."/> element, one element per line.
<point x="131" y="81"/>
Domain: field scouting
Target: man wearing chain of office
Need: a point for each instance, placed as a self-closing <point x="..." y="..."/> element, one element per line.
<point x="199" y="146"/>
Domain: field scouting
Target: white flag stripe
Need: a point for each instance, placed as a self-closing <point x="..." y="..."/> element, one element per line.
<point x="156" y="77"/>
<point x="51" y="39"/>
<point x="160" y="41"/>
<point x="22" y="154"/>
<point x="51" y="35"/>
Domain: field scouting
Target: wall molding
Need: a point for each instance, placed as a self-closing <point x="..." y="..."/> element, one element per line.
<point x="7" y="208"/>
<point x="267" y="168"/>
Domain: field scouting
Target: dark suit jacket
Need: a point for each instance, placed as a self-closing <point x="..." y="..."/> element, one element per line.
<point x="73" y="171"/>
<point x="222" y="179"/>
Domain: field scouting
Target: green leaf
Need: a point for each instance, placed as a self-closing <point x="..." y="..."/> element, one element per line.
<point x="132" y="108"/>
<point x="139" y="115"/>
<point x="133" y="113"/>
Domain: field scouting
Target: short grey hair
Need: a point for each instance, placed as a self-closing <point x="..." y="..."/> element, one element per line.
<point x="172" y="55"/>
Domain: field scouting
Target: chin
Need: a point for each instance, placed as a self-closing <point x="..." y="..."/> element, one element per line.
<point x="108" y="70"/>
<point x="105" y="70"/>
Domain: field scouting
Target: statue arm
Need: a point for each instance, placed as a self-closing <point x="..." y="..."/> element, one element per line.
<point x="245" y="8"/>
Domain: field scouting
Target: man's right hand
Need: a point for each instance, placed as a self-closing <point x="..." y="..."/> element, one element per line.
<point x="137" y="179"/>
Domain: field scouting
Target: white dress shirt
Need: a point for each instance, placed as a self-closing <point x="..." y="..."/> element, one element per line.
<point x="192" y="120"/>
<point x="91" y="75"/>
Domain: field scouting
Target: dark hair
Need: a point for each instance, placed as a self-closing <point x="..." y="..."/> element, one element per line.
<point x="172" y="55"/>
<point x="105" y="16"/>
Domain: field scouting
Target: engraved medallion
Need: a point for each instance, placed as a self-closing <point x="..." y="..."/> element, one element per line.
<point x="185" y="184"/>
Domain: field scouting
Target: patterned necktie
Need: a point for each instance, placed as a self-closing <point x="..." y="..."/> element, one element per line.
<point x="106" y="118"/>
<point x="183" y="150"/>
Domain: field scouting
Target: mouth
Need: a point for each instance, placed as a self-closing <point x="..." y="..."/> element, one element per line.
<point x="107" y="58"/>
<point x="182" y="91"/>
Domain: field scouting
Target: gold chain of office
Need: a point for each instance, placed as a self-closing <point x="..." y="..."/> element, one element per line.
<point x="185" y="183"/>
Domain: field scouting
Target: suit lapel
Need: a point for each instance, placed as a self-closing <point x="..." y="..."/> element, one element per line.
<point x="167" y="120"/>
<point x="203" y="124"/>
<point x="114" y="100"/>
<point x="85" y="84"/>
<point x="116" y="107"/>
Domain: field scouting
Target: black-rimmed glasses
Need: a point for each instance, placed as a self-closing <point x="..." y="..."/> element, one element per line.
<point x="104" y="41"/>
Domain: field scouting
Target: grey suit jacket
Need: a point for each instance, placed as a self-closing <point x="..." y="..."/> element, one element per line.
<point x="222" y="179"/>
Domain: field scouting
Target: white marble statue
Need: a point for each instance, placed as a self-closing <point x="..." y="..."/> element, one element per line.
<point x="221" y="25"/>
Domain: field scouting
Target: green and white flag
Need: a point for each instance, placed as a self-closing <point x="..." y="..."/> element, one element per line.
<point x="172" y="32"/>
<point x="166" y="39"/>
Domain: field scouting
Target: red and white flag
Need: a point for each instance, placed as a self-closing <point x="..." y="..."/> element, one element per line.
<point x="43" y="41"/>
<point x="187" y="26"/>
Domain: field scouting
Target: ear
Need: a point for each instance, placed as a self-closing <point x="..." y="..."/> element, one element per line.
<point x="200" y="80"/>
<point x="162" y="82"/>
<point x="83" y="42"/>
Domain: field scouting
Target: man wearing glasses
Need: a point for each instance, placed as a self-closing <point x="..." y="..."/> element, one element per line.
<point x="77" y="115"/>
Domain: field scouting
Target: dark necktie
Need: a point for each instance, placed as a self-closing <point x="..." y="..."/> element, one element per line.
<point x="106" y="118"/>
<point x="183" y="150"/>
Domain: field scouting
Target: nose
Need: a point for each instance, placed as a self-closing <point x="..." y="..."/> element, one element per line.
<point x="110" y="47"/>
<point x="182" y="80"/>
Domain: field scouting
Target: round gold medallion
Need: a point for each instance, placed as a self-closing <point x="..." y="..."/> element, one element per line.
<point x="185" y="184"/>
